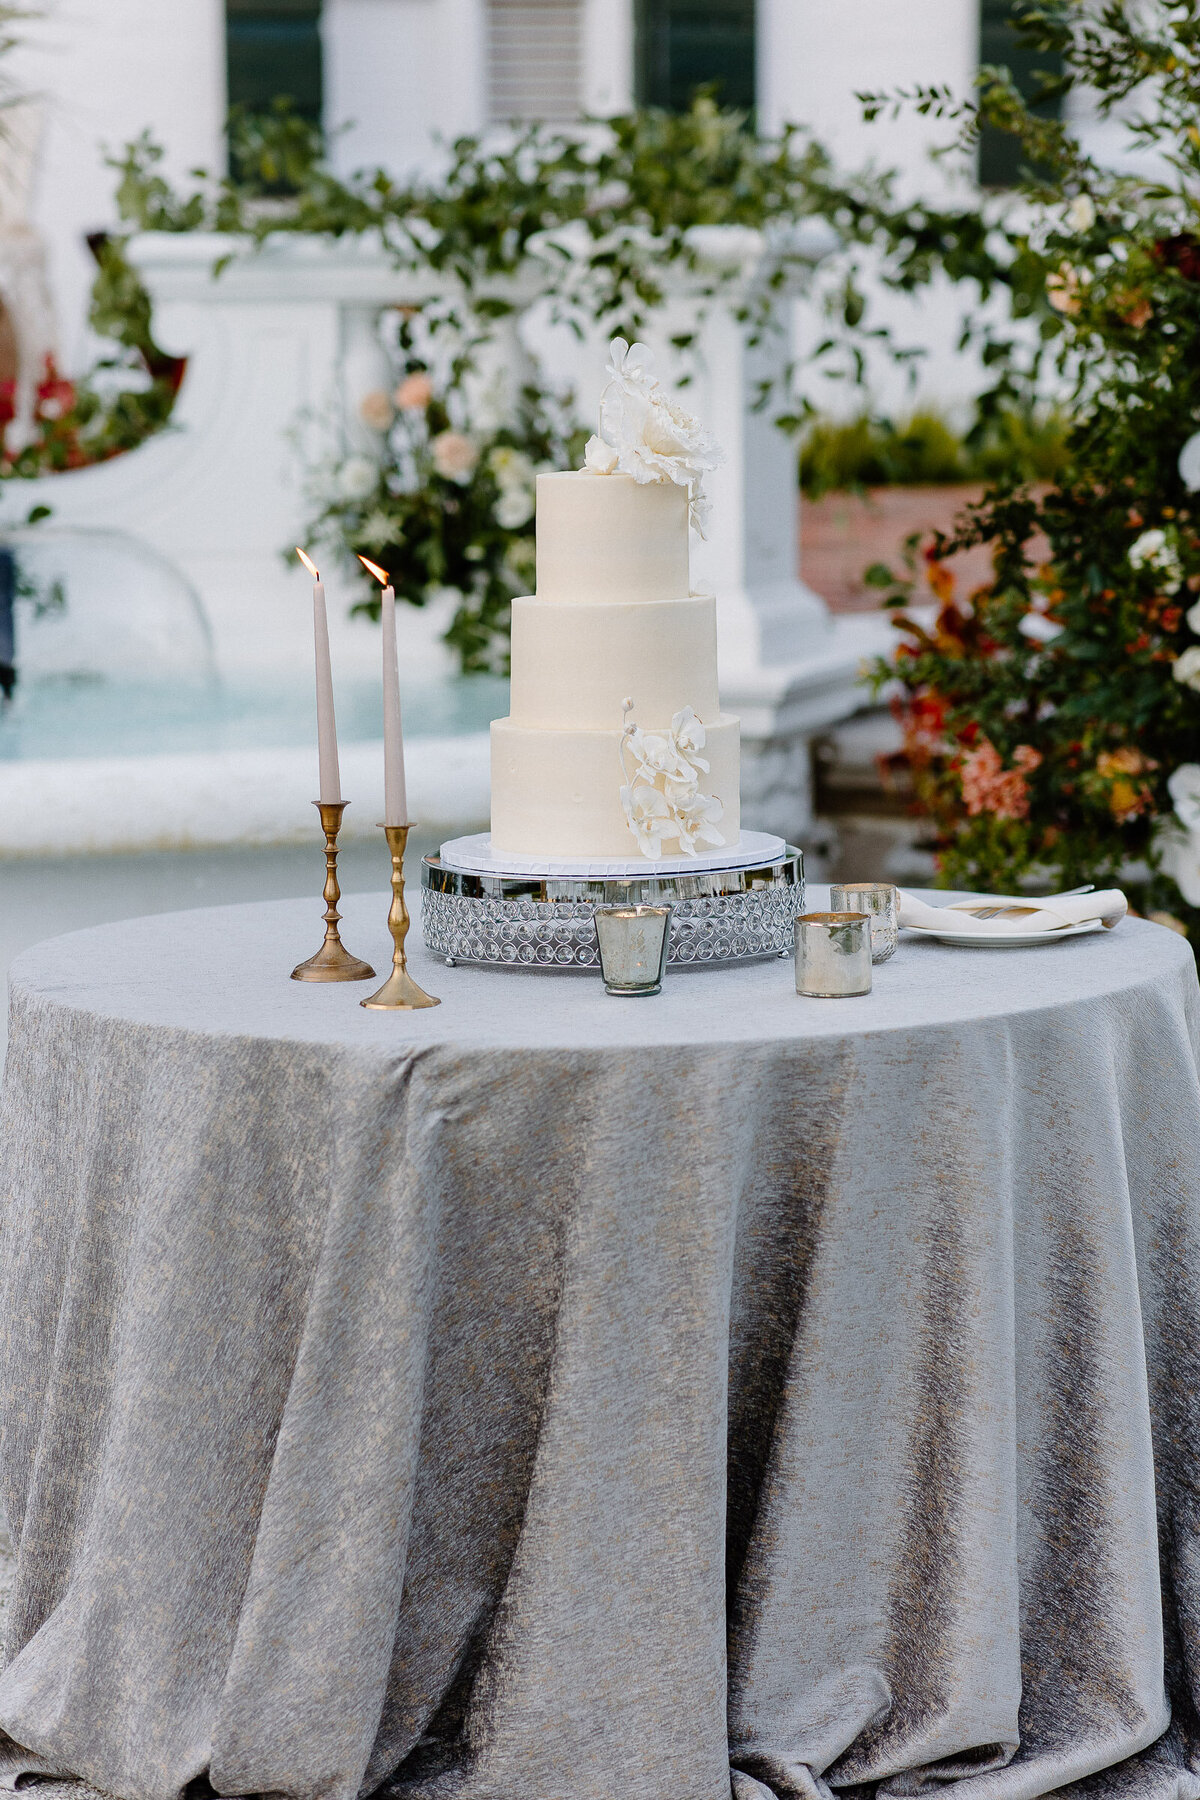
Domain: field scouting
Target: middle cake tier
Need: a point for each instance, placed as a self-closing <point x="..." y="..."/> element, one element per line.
<point x="574" y="667"/>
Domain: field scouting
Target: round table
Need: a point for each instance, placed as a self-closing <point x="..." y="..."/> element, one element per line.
<point x="554" y="1397"/>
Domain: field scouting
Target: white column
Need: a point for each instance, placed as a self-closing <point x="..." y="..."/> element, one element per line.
<point x="396" y="72"/>
<point x="104" y="71"/>
<point x="607" y="56"/>
<point x="766" y="617"/>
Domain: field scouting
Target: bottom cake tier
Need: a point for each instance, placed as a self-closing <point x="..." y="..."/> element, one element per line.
<point x="558" y="793"/>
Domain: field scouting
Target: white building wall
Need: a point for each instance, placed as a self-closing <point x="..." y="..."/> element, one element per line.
<point x="103" y="71"/>
<point x="812" y="62"/>
<point x="398" y="74"/>
<point x="813" y="58"/>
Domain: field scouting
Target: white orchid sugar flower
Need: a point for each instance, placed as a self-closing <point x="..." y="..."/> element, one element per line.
<point x="698" y="820"/>
<point x="689" y="736"/>
<point x="654" y="752"/>
<point x="649" y="817"/>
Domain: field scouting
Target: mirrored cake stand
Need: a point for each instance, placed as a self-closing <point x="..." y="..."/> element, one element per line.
<point x="511" y="912"/>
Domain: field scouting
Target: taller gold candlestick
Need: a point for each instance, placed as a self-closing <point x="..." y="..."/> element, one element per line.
<point x="399" y="990"/>
<point x="332" y="962"/>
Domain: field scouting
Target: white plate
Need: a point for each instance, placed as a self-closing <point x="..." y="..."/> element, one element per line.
<point x="983" y="940"/>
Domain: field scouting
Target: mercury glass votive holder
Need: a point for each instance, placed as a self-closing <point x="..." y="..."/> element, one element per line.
<point x="880" y="902"/>
<point x="833" y="955"/>
<point x="633" y="942"/>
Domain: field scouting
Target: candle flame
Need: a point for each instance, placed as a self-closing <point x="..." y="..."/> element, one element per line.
<point x="381" y="575"/>
<point x="308" y="562"/>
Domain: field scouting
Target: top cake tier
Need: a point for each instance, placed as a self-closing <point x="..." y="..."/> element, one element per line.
<point x="609" y="537"/>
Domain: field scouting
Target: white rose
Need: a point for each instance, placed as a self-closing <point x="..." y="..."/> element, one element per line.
<point x="1184" y="789"/>
<point x="357" y="478"/>
<point x="1186" y="667"/>
<point x="512" y="468"/>
<point x="1189" y="463"/>
<point x="513" y="509"/>
<point x="1193" y="617"/>
<point x="1153" y="550"/>
<point x="1081" y="214"/>
<point x="1179" y="854"/>
<point x="1147" y="548"/>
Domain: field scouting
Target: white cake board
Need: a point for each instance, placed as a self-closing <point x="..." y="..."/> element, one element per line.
<point x="474" y="855"/>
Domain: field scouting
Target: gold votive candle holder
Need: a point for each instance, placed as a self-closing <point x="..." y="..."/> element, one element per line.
<point x="880" y="902"/>
<point x="833" y="955"/>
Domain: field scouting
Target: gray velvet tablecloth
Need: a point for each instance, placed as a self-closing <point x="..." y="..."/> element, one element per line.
<point x="552" y="1397"/>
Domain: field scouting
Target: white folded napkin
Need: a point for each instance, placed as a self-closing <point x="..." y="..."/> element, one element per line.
<point x="1046" y="913"/>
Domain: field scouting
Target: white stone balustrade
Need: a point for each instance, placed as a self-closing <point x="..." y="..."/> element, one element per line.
<point x="287" y="334"/>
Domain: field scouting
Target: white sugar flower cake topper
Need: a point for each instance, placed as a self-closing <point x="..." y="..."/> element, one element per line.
<point x="646" y="434"/>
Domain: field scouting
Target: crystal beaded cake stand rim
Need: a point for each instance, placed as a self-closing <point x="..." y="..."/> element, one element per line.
<point x="547" y="921"/>
<point x="475" y="856"/>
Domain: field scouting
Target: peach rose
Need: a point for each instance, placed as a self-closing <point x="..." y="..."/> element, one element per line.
<point x="454" y="456"/>
<point x="414" y="393"/>
<point x="375" y="410"/>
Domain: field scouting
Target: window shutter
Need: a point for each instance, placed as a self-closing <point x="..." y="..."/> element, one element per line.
<point x="534" y="59"/>
<point x="686" y="44"/>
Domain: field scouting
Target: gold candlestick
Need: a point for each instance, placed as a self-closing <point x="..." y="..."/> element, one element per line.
<point x="332" y="962"/>
<point x="399" y="990"/>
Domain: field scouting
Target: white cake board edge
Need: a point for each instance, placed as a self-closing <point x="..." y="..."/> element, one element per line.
<point x="474" y="856"/>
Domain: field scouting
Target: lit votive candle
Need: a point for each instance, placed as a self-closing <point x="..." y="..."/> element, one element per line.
<point x="633" y="943"/>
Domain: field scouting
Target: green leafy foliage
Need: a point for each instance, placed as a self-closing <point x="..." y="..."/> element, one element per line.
<point x="924" y="449"/>
<point x="1046" y="712"/>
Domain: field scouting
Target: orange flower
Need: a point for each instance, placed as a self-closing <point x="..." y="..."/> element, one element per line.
<point x="987" y="787"/>
<point x="1137" y="312"/>
<point x="1127" y="797"/>
<point x="940" y="580"/>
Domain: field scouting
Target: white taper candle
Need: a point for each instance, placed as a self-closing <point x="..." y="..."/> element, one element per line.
<point x="327" y="750"/>
<point x="395" y="796"/>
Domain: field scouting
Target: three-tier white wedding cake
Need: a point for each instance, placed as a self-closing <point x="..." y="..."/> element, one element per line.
<point x="615" y="747"/>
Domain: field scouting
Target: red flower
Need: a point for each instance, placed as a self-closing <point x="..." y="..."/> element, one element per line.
<point x="1180" y="251"/>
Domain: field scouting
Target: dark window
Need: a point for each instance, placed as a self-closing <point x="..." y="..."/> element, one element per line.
<point x="686" y="44"/>
<point x="1000" y="154"/>
<point x="273" y="50"/>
